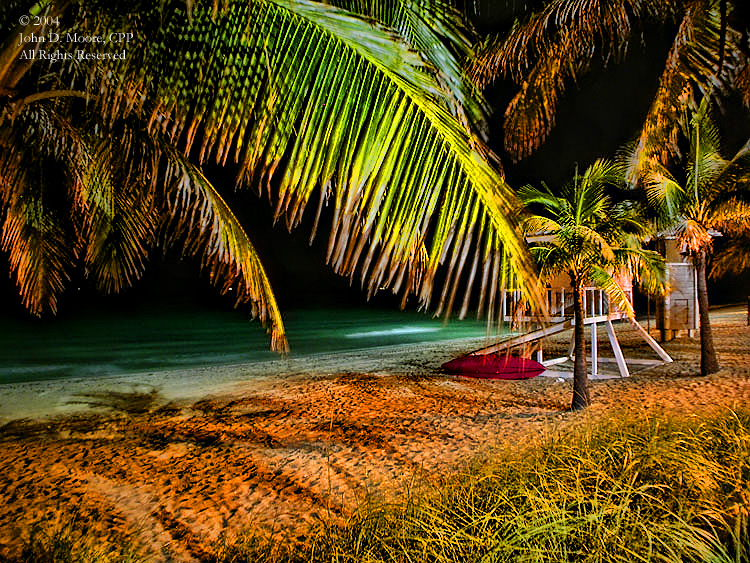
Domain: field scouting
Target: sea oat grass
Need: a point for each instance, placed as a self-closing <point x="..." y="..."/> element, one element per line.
<point x="621" y="489"/>
<point x="66" y="543"/>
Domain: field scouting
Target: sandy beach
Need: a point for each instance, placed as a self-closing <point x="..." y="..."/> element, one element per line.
<point x="174" y="460"/>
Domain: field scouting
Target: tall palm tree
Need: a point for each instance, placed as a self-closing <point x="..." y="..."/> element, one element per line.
<point x="546" y="52"/>
<point x="304" y="97"/>
<point x="714" y="195"/>
<point x="593" y="240"/>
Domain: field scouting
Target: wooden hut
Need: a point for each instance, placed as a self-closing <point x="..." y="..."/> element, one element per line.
<point x="677" y="312"/>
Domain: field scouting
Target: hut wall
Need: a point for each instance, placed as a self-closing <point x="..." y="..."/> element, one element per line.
<point x="679" y="310"/>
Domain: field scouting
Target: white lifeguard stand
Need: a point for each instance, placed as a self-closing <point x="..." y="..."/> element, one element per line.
<point x="597" y="310"/>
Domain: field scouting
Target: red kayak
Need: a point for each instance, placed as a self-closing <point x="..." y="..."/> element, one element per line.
<point x="494" y="366"/>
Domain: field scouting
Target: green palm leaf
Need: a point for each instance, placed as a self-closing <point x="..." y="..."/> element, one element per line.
<point x="205" y="224"/>
<point x="436" y="31"/>
<point x="321" y="100"/>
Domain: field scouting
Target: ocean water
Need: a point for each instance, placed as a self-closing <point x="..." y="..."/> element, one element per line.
<point x="102" y="343"/>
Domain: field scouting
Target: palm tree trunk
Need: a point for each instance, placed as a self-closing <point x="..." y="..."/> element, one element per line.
<point x="581" y="398"/>
<point x="709" y="361"/>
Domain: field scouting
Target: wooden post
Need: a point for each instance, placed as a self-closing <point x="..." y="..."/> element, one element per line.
<point x="594" y="351"/>
<point x="651" y="342"/>
<point x="619" y="356"/>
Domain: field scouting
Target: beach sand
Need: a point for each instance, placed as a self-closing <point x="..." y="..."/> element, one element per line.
<point x="174" y="460"/>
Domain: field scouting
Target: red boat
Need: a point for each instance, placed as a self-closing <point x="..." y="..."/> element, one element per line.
<point x="494" y="366"/>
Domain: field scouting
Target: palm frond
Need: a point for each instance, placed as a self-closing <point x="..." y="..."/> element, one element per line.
<point x="531" y="114"/>
<point x="552" y="260"/>
<point x="586" y="241"/>
<point x="704" y="162"/>
<point x="338" y="105"/>
<point x="439" y="32"/>
<point x="691" y="62"/>
<point x="734" y="257"/>
<point x="201" y="219"/>
<point x="540" y="225"/>
<point x="732" y="182"/>
<point x="36" y="231"/>
<point x="119" y="218"/>
<point x="530" y="195"/>
<point x="549" y="49"/>
<point x="648" y="268"/>
<point x="665" y="194"/>
<point x="605" y="281"/>
<point x="38" y="242"/>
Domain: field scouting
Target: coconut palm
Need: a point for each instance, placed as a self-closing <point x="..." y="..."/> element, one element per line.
<point x="594" y="240"/>
<point x="546" y="51"/>
<point x="713" y="196"/>
<point x="105" y="200"/>
<point x="302" y="97"/>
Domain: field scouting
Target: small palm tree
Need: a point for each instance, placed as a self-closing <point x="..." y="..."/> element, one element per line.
<point x="593" y="240"/>
<point x="714" y="196"/>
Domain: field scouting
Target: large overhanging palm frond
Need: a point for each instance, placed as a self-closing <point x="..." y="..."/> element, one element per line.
<point x="86" y="192"/>
<point x="201" y="218"/>
<point x="318" y="99"/>
<point x="438" y="32"/>
<point x="159" y="192"/>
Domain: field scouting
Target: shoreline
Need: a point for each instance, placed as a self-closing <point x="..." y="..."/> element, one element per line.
<point x="52" y="398"/>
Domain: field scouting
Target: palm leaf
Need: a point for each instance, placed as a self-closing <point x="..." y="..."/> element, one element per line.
<point x="665" y="194"/>
<point x="36" y="231"/>
<point x="119" y="218"/>
<point x="691" y="61"/>
<point x="38" y="242"/>
<point x="734" y="257"/>
<point x="605" y="281"/>
<point x="104" y="202"/>
<point x="339" y="105"/>
<point x="201" y="219"/>
<point x="648" y="268"/>
<point x="438" y="32"/>
<point x="548" y="50"/>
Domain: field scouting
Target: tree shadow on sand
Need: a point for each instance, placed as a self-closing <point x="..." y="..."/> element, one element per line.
<point x="130" y="402"/>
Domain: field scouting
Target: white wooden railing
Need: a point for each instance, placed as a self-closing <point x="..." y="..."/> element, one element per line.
<point x="560" y="305"/>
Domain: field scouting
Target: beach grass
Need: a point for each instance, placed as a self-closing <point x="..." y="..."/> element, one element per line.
<point x="624" y="488"/>
<point x="65" y="542"/>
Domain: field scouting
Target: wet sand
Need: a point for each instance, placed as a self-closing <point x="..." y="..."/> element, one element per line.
<point x="175" y="461"/>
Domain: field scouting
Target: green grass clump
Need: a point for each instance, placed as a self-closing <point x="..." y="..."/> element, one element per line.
<point x="630" y="490"/>
<point x="65" y="543"/>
